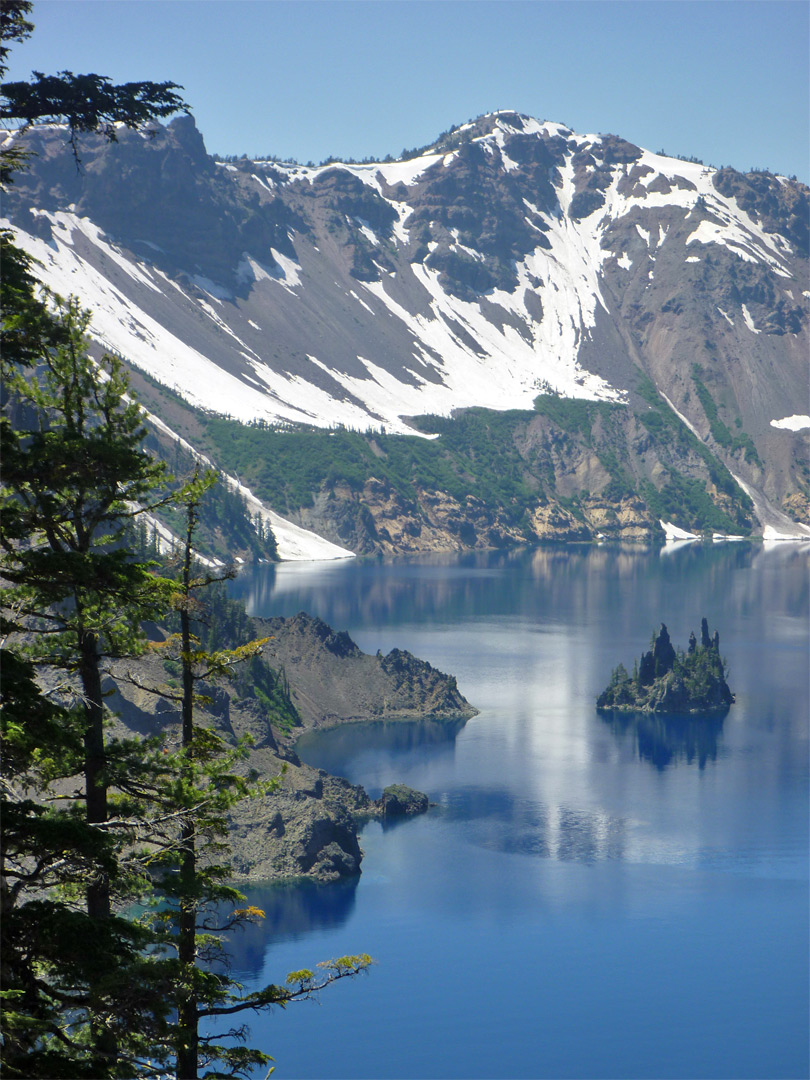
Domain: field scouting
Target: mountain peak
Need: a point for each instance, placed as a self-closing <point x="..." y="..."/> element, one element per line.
<point x="512" y="257"/>
<point x="188" y="135"/>
<point x="505" y="121"/>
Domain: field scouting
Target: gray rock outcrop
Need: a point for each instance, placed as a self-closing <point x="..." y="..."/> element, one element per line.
<point x="332" y="681"/>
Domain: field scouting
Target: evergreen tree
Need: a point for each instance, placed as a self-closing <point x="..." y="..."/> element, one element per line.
<point x="199" y="907"/>
<point x="46" y="941"/>
<point x="87" y="997"/>
<point x="69" y="596"/>
<point x="74" y="475"/>
<point x="83" y="102"/>
<point x="84" y="992"/>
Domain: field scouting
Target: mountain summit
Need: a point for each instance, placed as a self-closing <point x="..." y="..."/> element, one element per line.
<point x="511" y="258"/>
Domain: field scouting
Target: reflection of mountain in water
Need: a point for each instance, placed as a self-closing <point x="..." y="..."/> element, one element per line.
<point x="356" y="593"/>
<point x="495" y="819"/>
<point x="291" y="911"/>
<point x="665" y="740"/>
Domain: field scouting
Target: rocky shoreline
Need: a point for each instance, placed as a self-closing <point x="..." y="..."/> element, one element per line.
<point x="308" y="826"/>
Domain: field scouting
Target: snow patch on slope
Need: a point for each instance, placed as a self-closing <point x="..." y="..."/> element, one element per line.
<point x="749" y="322"/>
<point x="122" y="327"/>
<point x="512" y="355"/>
<point x="775" y="524"/>
<point x="769" y="533"/>
<point x="507" y="368"/>
<point x="796" y="422"/>
<point x="742" y="237"/>
<point x="672" y="532"/>
<point x="683" y="419"/>
<point x="392" y="173"/>
<point x="294" y="544"/>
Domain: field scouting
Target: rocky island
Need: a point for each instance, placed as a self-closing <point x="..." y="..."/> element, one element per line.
<point x="670" y="681"/>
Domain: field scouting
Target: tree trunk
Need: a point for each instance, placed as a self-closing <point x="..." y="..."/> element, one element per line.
<point x="187" y="1019"/>
<point x="98" y="890"/>
<point x="105" y="1046"/>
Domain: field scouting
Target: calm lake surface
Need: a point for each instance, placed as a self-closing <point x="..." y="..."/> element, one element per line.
<point x="586" y="899"/>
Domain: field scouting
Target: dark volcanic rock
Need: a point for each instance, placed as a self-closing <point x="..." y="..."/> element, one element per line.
<point x="659" y="660"/>
<point x="782" y="206"/>
<point x="398" y="800"/>
<point x="307" y="826"/>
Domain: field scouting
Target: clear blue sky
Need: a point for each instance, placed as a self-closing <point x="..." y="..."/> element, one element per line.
<point x="725" y="80"/>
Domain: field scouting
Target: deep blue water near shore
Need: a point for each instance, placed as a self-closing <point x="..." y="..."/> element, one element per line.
<point x="587" y="899"/>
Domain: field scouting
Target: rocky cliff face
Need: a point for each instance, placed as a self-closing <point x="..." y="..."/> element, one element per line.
<point x="512" y="257"/>
<point x="569" y="470"/>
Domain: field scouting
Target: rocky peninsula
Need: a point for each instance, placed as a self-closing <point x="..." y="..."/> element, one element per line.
<point x="308" y="826"/>
<point x="672" y="682"/>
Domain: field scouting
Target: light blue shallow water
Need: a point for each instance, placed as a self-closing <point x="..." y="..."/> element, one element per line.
<point x="586" y="899"/>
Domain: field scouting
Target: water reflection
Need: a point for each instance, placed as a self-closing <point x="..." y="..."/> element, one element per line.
<point x="291" y="911"/>
<point x="375" y="750"/>
<point x="555" y="847"/>
<point x="494" y="818"/>
<point x="664" y="740"/>
<point x="446" y="588"/>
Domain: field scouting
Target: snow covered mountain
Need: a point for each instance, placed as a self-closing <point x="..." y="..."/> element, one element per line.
<point x="513" y="257"/>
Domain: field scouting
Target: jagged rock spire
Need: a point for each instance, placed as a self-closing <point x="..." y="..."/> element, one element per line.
<point x="663" y="653"/>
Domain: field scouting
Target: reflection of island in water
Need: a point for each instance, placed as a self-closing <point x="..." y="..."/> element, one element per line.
<point x="499" y="820"/>
<point x="665" y="740"/>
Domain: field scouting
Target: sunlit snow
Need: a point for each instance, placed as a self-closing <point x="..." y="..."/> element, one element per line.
<point x="681" y="417"/>
<point x="796" y="422"/>
<point x="776" y="524"/>
<point x="512" y="357"/>
<point x="672" y="532"/>
<point x="293" y="543"/>
<point x="749" y="322"/>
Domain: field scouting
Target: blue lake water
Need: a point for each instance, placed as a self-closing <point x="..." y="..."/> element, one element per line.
<point x="587" y="898"/>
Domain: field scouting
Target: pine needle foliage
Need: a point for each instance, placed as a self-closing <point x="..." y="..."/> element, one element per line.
<point x="198" y="908"/>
